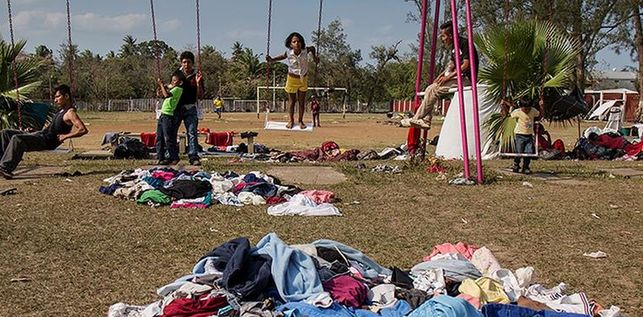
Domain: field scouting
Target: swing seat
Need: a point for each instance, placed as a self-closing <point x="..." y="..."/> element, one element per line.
<point x="275" y="125"/>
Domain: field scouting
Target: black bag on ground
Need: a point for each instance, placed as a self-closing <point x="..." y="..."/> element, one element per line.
<point x="131" y="148"/>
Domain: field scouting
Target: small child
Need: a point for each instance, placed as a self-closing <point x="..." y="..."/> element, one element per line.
<point x="297" y="82"/>
<point x="167" y="150"/>
<point x="524" y="132"/>
<point x="218" y="106"/>
<point x="314" y="108"/>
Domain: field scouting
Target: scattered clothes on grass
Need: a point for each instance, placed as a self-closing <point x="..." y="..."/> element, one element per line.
<point x="387" y="169"/>
<point x="198" y="189"/>
<point x="328" y="278"/>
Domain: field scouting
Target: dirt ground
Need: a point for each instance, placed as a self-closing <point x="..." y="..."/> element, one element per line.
<point x="68" y="250"/>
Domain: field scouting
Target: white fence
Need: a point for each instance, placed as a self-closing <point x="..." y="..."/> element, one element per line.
<point x="229" y="105"/>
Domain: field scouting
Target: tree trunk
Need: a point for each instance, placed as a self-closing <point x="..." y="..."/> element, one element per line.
<point x="638" y="42"/>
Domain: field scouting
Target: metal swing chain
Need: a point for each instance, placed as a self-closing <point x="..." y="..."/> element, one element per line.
<point x="72" y="82"/>
<point x="13" y="66"/>
<point x="198" y="36"/>
<point x="319" y="20"/>
<point x="156" y="48"/>
<point x="268" y="41"/>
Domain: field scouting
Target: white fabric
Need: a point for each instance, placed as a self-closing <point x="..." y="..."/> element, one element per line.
<point x="449" y="256"/>
<point x="614" y="311"/>
<point x="525" y="275"/>
<point x="430" y="281"/>
<point x="303" y="206"/>
<point x="383" y="296"/>
<point x="598" y="113"/>
<point x="322" y="300"/>
<point x="297" y="65"/>
<point x="484" y="260"/>
<point x="509" y="283"/>
<point x="450" y="141"/>
<point x="541" y="294"/>
<point x="275" y="125"/>
<point x="249" y="198"/>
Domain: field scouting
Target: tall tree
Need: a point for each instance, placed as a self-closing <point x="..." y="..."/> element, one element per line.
<point x="339" y="63"/>
<point x="129" y="47"/>
<point x="382" y="55"/>
<point x="629" y="38"/>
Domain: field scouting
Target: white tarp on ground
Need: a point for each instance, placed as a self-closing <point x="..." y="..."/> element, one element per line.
<point x="450" y="141"/>
<point x="599" y="112"/>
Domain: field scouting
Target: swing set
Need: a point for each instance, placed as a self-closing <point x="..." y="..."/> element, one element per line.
<point x="40" y="110"/>
<point x="277" y="125"/>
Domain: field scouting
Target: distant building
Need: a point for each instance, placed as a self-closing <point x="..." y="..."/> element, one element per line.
<point x="612" y="79"/>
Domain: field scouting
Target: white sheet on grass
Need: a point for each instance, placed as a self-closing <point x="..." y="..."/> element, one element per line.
<point x="450" y="141"/>
<point x="275" y="125"/>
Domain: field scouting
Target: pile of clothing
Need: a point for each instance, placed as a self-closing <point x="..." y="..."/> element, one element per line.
<point x="198" y="189"/>
<point x="606" y="145"/>
<point x="328" y="278"/>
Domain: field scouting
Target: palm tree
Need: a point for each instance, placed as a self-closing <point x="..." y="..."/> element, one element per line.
<point x="32" y="115"/>
<point x="530" y="59"/>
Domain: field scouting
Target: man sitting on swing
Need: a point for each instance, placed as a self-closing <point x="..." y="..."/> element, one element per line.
<point x="65" y="125"/>
<point x="446" y="80"/>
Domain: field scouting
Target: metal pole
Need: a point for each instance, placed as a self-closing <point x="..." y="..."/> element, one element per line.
<point x="458" y="67"/>
<point x="474" y="94"/>
<point x="414" y="133"/>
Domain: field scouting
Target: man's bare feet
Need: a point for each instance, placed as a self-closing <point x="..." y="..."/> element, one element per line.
<point x="302" y="125"/>
<point x="289" y="125"/>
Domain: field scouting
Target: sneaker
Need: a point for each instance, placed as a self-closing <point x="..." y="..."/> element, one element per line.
<point x="526" y="171"/>
<point x="195" y="162"/>
<point x="419" y="123"/>
<point x="6" y="174"/>
<point x="515" y="169"/>
<point x="405" y="122"/>
<point x="163" y="162"/>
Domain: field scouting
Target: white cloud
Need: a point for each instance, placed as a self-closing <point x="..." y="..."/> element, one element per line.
<point x="244" y="34"/>
<point x="37" y="21"/>
<point x="113" y="24"/>
<point x="170" y="25"/>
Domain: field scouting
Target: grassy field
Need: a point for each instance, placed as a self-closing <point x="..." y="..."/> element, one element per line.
<point x="80" y="251"/>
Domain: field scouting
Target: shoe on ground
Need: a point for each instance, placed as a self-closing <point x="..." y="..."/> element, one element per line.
<point x="6" y="174"/>
<point x="419" y="123"/>
<point x="515" y="169"/>
<point x="195" y="162"/>
<point x="163" y="162"/>
<point x="526" y="171"/>
<point x="405" y="122"/>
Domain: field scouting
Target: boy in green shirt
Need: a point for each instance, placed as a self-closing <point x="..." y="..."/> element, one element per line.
<point x="167" y="150"/>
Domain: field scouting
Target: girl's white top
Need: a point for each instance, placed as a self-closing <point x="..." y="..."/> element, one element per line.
<point x="297" y="64"/>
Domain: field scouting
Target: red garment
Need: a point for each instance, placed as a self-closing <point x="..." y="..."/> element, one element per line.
<point x="319" y="196"/>
<point x="436" y="168"/>
<point x="314" y="106"/>
<point x="346" y="290"/>
<point x="460" y="247"/>
<point x="559" y="146"/>
<point x="274" y="200"/>
<point x="149" y="139"/>
<point x="219" y="138"/>
<point x="202" y="306"/>
<point x="166" y="176"/>
<point x="611" y="142"/>
<point x="633" y="149"/>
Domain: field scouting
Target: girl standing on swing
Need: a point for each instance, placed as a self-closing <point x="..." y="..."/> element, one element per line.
<point x="297" y="82"/>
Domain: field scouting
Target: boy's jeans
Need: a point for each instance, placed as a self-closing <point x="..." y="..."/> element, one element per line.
<point x="524" y="145"/>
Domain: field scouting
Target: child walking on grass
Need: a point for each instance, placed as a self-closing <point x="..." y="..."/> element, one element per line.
<point x="297" y="81"/>
<point x="314" y="108"/>
<point x="167" y="150"/>
<point x="524" y="131"/>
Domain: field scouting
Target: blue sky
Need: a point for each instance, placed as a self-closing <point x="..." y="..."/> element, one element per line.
<point x="100" y="25"/>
